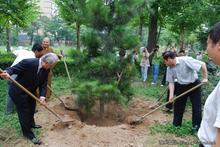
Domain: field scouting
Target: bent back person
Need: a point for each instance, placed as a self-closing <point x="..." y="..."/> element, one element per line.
<point x="182" y="76"/>
<point x="32" y="74"/>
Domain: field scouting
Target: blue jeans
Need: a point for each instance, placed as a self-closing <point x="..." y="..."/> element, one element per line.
<point x="9" y="102"/>
<point x="144" y="72"/>
<point x="155" y="73"/>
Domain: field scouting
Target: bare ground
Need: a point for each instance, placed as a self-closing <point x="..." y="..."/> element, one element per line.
<point x="110" y="131"/>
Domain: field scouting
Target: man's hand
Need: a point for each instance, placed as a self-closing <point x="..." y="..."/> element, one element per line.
<point x="43" y="100"/>
<point x="171" y="99"/>
<point x="60" y="56"/>
<point x="205" y="81"/>
<point x="4" y="75"/>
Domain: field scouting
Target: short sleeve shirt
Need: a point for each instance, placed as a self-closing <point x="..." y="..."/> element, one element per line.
<point x="185" y="70"/>
<point x="211" y="118"/>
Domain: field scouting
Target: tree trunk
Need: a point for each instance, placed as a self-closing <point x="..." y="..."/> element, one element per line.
<point x="31" y="39"/>
<point x="102" y="108"/>
<point x="182" y="39"/>
<point x="152" y="34"/>
<point x="78" y="36"/>
<point x="8" y="39"/>
<point x="141" y="27"/>
<point x="158" y="35"/>
<point x="17" y="32"/>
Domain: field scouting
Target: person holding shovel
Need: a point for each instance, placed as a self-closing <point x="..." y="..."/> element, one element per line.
<point x="182" y="76"/>
<point x="209" y="132"/>
<point x="31" y="74"/>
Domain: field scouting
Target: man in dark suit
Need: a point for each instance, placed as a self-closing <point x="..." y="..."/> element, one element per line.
<point x="32" y="74"/>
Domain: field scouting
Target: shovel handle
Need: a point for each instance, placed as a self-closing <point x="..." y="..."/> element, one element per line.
<point x="67" y="71"/>
<point x="177" y="97"/>
<point x="33" y="96"/>
<point x="161" y="96"/>
<point x="55" y="95"/>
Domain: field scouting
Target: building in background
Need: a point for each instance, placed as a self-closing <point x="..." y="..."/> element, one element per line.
<point x="47" y="8"/>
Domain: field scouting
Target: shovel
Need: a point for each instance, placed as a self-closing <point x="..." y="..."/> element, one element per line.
<point x="65" y="120"/>
<point x="63" y="103"/>
<point x="137" y="120"/>
<point x="156" y="103"/>
<point x="64" y="61"/>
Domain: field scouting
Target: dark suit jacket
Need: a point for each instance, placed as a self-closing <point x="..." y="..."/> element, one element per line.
<point x="28" y="77"/>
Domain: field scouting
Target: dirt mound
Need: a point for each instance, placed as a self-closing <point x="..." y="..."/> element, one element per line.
<point x="111" y="130"/>
<point x="114" y="114"/>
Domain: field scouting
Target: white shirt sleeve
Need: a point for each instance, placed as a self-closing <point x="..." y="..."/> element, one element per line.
<point x="217" y="121"/>
<point x="169" y="76"/>
<point x="193" y="63"/>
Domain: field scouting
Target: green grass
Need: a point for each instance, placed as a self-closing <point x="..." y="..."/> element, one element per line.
<point x="148" y="91"/>
<point x="7" y="121"/>
<point x="179" y="132"/>
<point x="184" y="130"/>
<point x="61" y="85"/>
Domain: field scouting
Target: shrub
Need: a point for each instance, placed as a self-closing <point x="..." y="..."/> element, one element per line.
<point x="105" y="79"/>
<point x="6" y="59"/>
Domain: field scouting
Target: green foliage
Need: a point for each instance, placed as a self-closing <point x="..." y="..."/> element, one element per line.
<point x="19" y="12"/>
<point x="124" y="40"/>
<point x="98" y="14"/>
<point x="86" y="94"/>
<point x="6" y="59"/>
<point x="213" y="76"/>
<point x="103" y="68"/>
<point x="105" y="79"/>
<point x="93" y="42"/>
<point x="10" y="121"/>
<point x="184" y="130"/>
<point x="72" y="11"/>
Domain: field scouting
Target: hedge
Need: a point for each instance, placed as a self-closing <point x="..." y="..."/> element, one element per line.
<point x="59" y="69"/>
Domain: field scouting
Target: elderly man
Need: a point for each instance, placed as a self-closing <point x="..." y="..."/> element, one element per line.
<point x="46" y="45"/>
<point x="47" y="49"/>
<point x="32" y="74"/>
<point x="182" y="75"/>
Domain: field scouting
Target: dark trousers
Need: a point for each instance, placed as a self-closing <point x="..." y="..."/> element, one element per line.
<point x="200" y="145"/>
<point x="179" y="104"/>
<point x="25" y="108"/>
<point x="163" y="82"/>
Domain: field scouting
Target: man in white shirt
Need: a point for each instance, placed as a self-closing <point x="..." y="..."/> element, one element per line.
<point x="182" y="76"/>
<point x="37" y="52"/>
<point x="209" y="132"/>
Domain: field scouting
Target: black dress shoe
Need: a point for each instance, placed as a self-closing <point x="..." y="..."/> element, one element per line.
<point x="36" y="126"/>
<point x="35" y="141"/>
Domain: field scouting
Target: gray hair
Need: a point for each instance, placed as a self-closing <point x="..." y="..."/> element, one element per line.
<point x="50" y="58"/>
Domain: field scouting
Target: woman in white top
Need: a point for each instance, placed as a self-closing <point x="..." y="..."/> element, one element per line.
<point x="209" y="132"/>
<point x="145" y="63"/>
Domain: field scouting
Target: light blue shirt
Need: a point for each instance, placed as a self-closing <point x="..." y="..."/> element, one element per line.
<point x="185" y="70"/>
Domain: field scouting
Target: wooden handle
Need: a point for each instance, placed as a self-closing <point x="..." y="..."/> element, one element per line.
<point x="55" y="95"/>
<point x="163" y="94"/>
<point x="67" y="71"/>
<point x="33" y="96"/>
<point x="184" y="93"/>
